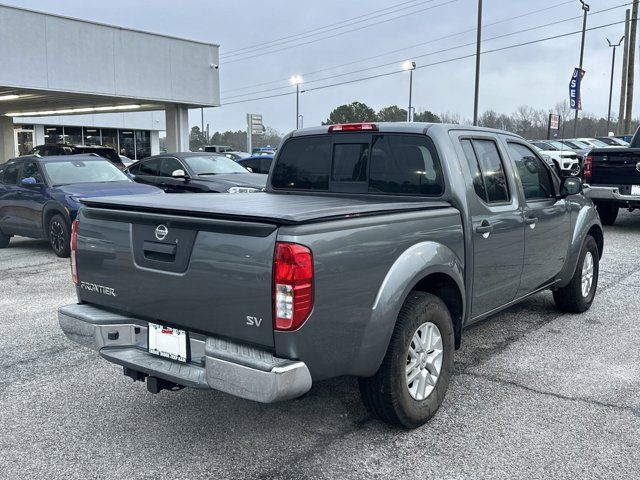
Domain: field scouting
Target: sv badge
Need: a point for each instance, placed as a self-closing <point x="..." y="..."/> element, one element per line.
<point x="254" y="321"/>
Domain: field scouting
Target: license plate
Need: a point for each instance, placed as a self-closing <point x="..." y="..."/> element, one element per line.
<point x="168" y="342"/>
<point x="635" y="189"/>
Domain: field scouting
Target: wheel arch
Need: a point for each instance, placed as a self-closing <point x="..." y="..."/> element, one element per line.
<point x="49" y="210"/>
<point x="429" y="267"/>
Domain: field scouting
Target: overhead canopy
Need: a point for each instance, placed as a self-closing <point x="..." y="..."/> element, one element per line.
<point x="52" y="63"/>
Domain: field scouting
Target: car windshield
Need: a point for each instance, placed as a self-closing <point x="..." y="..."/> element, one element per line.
<point x="83" y="171"/>
<point x="544" y="146"/>
<point x="577" y="144"/>
<point x="598" y="143"/>
<point x="213" y="165"/>
<point x="559" y="145"/>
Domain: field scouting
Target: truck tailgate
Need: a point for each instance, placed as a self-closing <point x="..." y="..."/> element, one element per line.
<point x="202" y="275"/>
<point x="615" y="167"/>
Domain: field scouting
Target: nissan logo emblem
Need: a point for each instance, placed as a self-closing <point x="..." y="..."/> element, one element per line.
<point x="161" y="232"/>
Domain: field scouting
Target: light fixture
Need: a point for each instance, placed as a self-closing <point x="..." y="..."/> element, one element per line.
<point x="409" y="65"/>
<point x="296" y="80"/>
<point x="66" y="111"/>
<point x="8" y="97"/>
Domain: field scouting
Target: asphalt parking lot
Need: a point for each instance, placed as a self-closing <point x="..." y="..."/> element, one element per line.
<point x="537" y="394"/>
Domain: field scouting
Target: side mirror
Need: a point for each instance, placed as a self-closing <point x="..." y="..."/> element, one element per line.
<point x="179" y="174"/>
<point x="29" y="182"/>
<point x="570" y="186"/>
<point x="250" y="169"/>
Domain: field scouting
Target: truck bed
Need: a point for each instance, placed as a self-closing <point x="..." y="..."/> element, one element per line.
<point x="278" y="208"/>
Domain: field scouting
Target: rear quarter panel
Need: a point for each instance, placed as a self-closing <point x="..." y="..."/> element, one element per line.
<point x="347" y="333"/>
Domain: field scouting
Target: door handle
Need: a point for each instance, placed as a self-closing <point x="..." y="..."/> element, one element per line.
<point x="485" y="229"/>
<point x="531" y="221"/>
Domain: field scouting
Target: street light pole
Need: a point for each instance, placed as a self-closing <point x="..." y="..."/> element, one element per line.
<point x="585" y="8"/>
<point x="478" y="42"/>
<point x="411" y="66"/>
<point x="613" y="66"/>
<point x="297" y="80"/>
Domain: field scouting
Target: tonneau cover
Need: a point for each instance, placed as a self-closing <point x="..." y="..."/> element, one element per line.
<point x="270" y="207"/>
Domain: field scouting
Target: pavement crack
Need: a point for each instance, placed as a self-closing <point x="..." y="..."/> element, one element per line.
<point x="634" y="411"/>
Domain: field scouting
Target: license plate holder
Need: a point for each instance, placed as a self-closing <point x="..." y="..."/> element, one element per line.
<point x="635" y="189"/>
<point x="168" y="342"/>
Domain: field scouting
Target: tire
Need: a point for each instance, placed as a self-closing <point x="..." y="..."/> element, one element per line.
<point x="4" y="240"/>
<point x="572" y="298"/>
<point x="387" y="394"/>
<point x="608" y="212"/>
<point x="59" y="236"/>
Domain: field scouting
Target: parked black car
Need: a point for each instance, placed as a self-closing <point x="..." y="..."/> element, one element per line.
<point x="257" y="163"/>
<point x="69" y="149"/>
<point x="195" y="173"/>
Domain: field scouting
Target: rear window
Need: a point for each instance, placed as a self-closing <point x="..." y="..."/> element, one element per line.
<point x="379" y="163"/>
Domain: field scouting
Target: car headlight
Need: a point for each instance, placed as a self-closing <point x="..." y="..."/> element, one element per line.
<point x="243" y="190"/>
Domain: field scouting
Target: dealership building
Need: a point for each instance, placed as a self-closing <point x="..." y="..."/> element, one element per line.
<point x="54" y="89"/>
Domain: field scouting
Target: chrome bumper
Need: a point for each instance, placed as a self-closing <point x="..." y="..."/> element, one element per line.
<point x="237" y="369"/>
<point x="609" y="193"/>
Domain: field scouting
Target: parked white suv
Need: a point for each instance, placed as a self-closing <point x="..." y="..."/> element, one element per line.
<point x="567" y="160"/>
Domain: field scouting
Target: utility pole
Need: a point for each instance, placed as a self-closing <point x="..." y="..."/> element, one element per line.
<point x="202" y="125"/>
<point x="410" y="66"/>
<point x="631" y="67"/>
<point x="478" y="42"/>
<point x="613" y="66"/>
<point x="585" y="9"/>
<point x="623" y="80"/>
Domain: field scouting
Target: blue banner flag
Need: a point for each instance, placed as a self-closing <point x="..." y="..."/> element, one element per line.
<point x="575" y="99"/>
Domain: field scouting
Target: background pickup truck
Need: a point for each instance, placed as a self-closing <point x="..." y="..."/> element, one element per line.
<point x="373" y="246"/>
<point x="612" y="178"/>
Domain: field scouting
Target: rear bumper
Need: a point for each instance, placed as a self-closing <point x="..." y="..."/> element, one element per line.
<point x="233" y="368"/>
<point x="609" y="193"/>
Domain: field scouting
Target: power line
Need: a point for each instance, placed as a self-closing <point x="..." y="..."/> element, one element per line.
<point x="338" y="34"/>
<point x="546" y="25"/>
<point x="318" y="29"/>
<point x="407" y="47"/>
<point x="462" y="57"/>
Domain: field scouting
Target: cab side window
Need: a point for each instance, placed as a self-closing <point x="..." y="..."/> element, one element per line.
<point x="9" y="174"/>
<point x="534" y="174"/>
<point x="487" y="169"/>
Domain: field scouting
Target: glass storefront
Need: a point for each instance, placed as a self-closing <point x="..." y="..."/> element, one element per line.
<point x="91" y="136"/>
<point x="53" y="135"/>
<point x="73" y="135"/>
<point x="143" y="144"/>
<point x="127" y="144"/>
<point x="135" y="144"/>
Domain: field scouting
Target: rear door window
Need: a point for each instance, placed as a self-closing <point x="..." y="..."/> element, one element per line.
<point x="150" y="167"/>
<point x="9" y="173"/>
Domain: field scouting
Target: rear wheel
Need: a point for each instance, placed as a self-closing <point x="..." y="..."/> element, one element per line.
<point x="4" y="240"/>
<point x="608" y="212"/>
<point x="411" y="383"/>
<point x="59" y="238"/>
<point x="577" y="297"/>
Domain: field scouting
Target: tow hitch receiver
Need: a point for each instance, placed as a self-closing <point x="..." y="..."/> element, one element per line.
<point x="156" y="385"/>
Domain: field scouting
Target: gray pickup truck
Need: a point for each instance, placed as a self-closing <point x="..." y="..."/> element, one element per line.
<point x="372" y="248"/>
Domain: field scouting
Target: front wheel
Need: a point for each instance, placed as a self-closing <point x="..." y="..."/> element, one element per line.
<point x="577" y="297"/>
<point x="411" y="383"/>
<point x="59" y="238"/>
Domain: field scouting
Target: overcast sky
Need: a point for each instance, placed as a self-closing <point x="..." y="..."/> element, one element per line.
<point x="537" y="75"/>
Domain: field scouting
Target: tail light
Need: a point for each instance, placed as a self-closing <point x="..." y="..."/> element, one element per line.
<point x="74" y="250"/>
<point x="587" y="168"/>
<point x="353" y="127"/>
<point x="292" y="285"/>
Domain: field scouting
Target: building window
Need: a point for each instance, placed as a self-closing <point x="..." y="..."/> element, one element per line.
<point x="92" y="136"/>
<point x="52" y="135"/>
<point x="110" y="138"/>
<point x="73" y="135"/>
<point x="143" y="144"/>
<point x="127" y="144"/>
